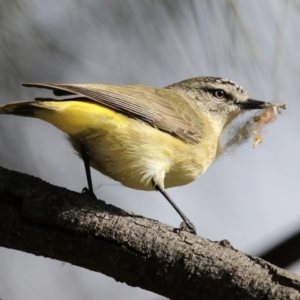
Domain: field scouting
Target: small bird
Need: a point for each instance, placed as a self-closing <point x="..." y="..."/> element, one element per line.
<point x="144" y="137"/>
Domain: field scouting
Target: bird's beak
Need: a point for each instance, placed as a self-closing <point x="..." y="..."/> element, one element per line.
<point x="252" y="104"/>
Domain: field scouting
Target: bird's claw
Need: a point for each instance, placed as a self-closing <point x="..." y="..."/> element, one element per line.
<point x="187" y="226"/>
<point x="86" y="191"/>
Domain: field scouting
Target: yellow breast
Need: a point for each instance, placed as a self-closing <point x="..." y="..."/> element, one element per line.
<point x="128" y="150"/>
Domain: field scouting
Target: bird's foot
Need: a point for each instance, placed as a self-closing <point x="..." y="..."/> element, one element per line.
<point x="188" y="226"/>
<point x="86" y="191"/>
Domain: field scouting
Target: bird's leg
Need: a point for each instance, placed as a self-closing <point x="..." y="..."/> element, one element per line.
<point x="86" y="160"/>
<point x="186" y="225"/>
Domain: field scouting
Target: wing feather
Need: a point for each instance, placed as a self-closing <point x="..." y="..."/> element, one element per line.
<point x="164" y="109"/>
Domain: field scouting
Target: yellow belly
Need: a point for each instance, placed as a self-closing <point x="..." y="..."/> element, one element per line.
<point x="128" y="150"/>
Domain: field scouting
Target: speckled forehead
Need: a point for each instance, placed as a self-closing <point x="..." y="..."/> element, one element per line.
<point x="230" y="83"/>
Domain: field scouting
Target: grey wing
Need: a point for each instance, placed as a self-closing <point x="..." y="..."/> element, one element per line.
<point x="157" y="107"/>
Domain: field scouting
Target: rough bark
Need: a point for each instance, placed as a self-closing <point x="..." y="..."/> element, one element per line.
<point x="42" y="219"/>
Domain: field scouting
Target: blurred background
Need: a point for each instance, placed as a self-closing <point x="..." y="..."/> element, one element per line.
<point x="248" y="196"/>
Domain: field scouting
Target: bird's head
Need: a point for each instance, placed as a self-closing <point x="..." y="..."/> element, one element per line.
<point x="221" y="99"/>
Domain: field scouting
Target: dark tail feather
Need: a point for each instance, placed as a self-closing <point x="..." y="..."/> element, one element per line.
<point x="25" y="109"/>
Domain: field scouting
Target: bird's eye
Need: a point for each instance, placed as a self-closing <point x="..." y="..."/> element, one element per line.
<point x="220" y="94"/>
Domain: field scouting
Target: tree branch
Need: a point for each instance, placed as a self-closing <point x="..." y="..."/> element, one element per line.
<point x="42" y="219"/>
<point x="285" y="252"/>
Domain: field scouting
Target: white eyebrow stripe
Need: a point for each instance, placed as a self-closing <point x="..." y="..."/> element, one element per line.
<point x="228" y="81"/>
